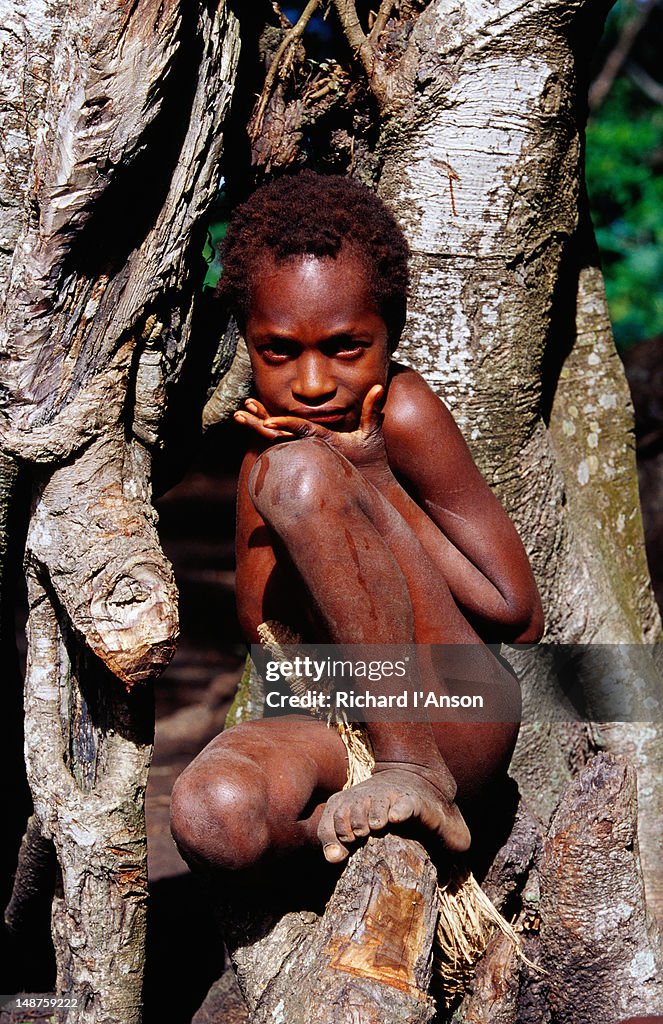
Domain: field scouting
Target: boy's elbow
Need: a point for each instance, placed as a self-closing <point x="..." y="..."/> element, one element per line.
<point x="528" y="622"/>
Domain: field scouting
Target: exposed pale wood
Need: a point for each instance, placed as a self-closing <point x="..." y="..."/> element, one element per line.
<point x="367" y="959"/>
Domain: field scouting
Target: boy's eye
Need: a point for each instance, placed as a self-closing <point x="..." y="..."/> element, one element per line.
<point x="346" y="347"/>
<point x="278" y="349"/>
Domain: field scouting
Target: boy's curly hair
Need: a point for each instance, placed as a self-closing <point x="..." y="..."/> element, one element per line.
<point x="315" y="214"/>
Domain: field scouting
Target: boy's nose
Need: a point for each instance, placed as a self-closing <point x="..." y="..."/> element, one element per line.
<point x="313" y="382"/>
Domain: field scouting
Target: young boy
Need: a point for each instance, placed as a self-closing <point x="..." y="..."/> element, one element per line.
<point x="362" y="519"/>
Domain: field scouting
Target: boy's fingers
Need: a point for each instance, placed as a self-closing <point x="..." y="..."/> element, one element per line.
<point x="371" y="410"/>
<point x="257" y="408"/>
<point x="297" y="427"/>
<point x="246" y="419"/>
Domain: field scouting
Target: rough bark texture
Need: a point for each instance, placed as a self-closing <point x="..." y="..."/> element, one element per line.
<point x="593" y="919"/>
<point x="368" y="958"/>
<point x="508" y="321"/>
<point x="115" y="159"/>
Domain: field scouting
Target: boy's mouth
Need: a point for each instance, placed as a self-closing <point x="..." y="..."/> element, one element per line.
<point x="321" y="415"/>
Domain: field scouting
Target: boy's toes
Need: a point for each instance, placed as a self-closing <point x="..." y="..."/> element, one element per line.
<point x="333" y="849"/>
<point x="360" y="825"/>
<point x="456" y="834"/>
<point x="334" y="853"/>
<point x="343" y="826"/>
<point x="359" y="815"/>
<point x="401" y="809"/>
<point x="378" y="815"/>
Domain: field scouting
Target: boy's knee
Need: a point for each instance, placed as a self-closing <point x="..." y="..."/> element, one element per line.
<point x="219" y="822"/>
<point x="295" y="479"/>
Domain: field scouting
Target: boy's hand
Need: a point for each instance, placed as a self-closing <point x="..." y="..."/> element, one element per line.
<point x="391" y="796"/>
<point x="363" y="447"/>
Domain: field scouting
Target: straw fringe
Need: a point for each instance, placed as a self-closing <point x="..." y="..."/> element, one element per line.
<point x="360" y="753"/>
<point x="275" y="636"/>
<point x="467" y="917"/>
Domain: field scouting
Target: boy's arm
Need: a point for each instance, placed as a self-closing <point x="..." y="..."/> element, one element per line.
<point x="457" y="517"/>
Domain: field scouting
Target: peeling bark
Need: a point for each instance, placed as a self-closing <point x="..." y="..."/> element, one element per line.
<point x="116" y="163"/>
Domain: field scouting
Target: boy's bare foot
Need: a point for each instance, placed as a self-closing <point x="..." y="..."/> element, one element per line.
<point x="390" y="797"/>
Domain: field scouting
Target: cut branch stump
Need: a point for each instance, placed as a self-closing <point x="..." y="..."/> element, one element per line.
<point x="367" y="959"/>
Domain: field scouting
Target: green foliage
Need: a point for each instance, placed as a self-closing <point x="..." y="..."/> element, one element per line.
<point x="625" y="185"/>
<point x="215" y="234"/>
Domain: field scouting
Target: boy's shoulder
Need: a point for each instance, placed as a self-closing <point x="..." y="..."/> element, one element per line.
<point x="424" y="445"/>
<point x="413" y="410"/>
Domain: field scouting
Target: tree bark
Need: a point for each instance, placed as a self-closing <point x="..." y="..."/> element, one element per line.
<point x="508" y="322"/>
<point x="368" y="958"/>
<point x="592" y="891"/>
<point x="118" y="157"/>
<point x="481" y="150"/>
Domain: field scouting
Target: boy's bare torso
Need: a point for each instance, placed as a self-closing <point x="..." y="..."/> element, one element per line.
<point x="362" y="519"/>
<point x="444" y="500"/>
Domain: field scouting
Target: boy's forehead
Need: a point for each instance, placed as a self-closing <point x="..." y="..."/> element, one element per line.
<point x="311" y="300"/>
<point x="321" y="283"/>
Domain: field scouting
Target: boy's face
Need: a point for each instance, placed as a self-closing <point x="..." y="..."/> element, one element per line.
<point x="316" y="340"/>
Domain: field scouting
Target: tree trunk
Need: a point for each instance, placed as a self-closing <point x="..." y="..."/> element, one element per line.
<point x="508" y="322"/>
<point x="481" y="157"/>
<point x="117" y="151"/>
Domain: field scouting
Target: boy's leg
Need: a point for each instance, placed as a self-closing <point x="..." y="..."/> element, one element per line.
<point x="256" y="792"/>
<point x="371" y="581"/>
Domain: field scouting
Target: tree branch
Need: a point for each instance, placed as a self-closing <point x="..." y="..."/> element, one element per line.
<point x="349" y="19"/>
<point x="358" y="40"/>
<point x="285" y="21"/>
<point x="33" y="883"/>
<point x="381" y="20"/>
<point x="602" y="84"/>
<point x="652" y="89"/>
<point x="279" y="65"/>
